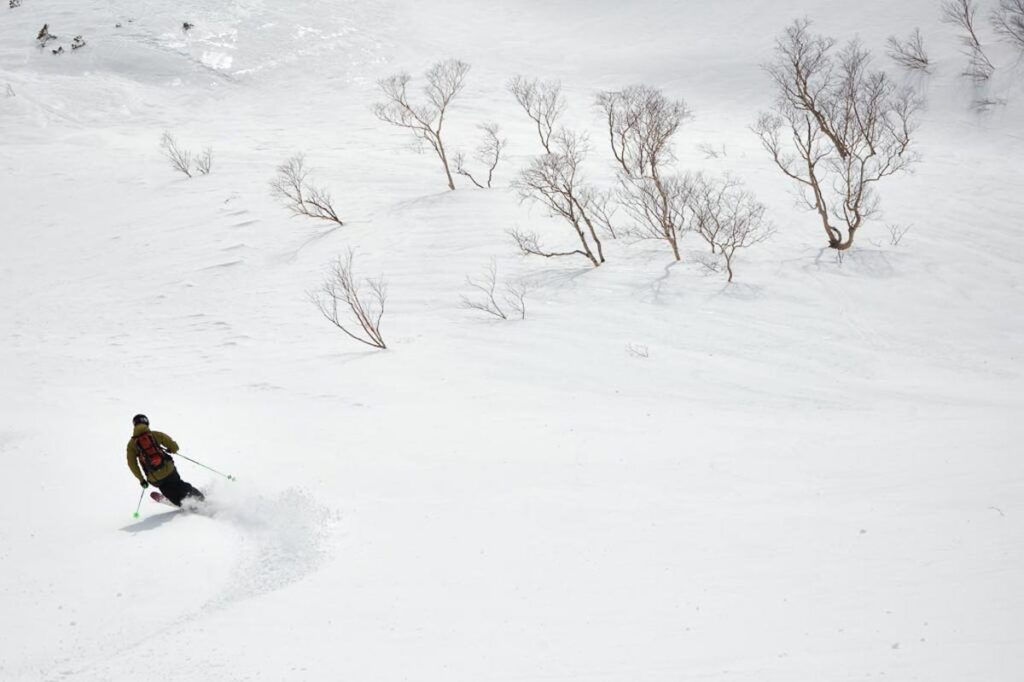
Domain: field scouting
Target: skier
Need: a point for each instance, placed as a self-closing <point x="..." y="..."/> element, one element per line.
<point x="152" y="450"/>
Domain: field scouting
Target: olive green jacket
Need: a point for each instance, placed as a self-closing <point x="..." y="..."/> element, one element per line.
<point x="133" y="455"/>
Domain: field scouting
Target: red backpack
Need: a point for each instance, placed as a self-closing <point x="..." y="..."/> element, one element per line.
<point x="150" y="453"/>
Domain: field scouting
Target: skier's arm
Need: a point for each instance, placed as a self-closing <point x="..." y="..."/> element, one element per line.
<point x="133" y="463"/>
<point x="165" y="441"/>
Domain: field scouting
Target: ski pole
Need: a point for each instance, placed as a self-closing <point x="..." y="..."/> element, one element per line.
<point x="139" y="505"/>
<point x="227" y="476"/>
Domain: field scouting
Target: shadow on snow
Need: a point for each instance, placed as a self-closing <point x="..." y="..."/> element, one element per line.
<point x="151" y="522"/>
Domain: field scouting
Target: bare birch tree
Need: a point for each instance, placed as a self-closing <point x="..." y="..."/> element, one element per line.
<point x="344" y="303"/>
<point x="837" y="129"/>
<point x="909" y="53"/>
<point x="180" y="159"/>
<point x="659" y="206"/>
<point x="1008" y="22"/>
<point x="641" y="123"/>
<point x="728" y="217"/>
<point x="445" y="80"/>
<point x="488" y="153"/>
<point x="291" y="187"/>
<point x="556" y="181"/>
<point x="487" y="299"/>
<point x="204" y="161"/>
<point x="897" y="232"/>
<point x="543" y="103"/>
<point x="962" y="13"/>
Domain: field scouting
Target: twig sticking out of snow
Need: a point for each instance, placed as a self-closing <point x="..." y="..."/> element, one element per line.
<point x="299" y="196"/>
<point x="910" y="53"/>
<point x="513" y="300"/>
<point x="181" y="159"/>
<point x="342" y="292"/>
<point x="638" y="350"/>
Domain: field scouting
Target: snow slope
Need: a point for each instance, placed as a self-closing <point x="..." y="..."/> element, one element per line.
<point x="810" y="474"/>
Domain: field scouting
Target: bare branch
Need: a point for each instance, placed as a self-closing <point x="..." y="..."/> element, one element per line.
<point x="298" y="196"/>
<point x="555" y="181"/>
<point x="897" y="232"/>
<point x="486" y="301"/>
<point x="638" y="350"/>
<point x="710" y="151"/>
<point x="515" y="297"/>
<point x="488" y="152"/>
<point x="528" y="243"/>
<point x="641" y="122"/>
<point x="910" y="53"/>
<point x="837" y="129"/>
<point x="543" y="103"/>
<point x="1008" y="22"/>
<point x="961" y="13"/>
<point x="459" y="162"/>
<point x="603" y="208"/>
<point x="445" y="80"/>
<point x="204" y="162"/>
<point x="658" y="206"/>
<point x="729" y="218"/>
<point x="342" y="302"/>
<point x="802" y="72"/>
<point x="180" y="159"/>
<point x="983" y="105"/>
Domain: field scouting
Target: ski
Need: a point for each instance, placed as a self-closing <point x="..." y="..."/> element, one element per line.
<point x="158" y="497"/>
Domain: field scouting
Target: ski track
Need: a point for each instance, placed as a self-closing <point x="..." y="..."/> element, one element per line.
<point x="282" y="539"/>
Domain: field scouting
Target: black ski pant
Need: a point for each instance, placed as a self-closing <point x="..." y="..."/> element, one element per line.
<point x="176" y="490"/>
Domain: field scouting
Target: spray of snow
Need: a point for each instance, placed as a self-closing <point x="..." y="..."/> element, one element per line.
<point x="282" y="538"/>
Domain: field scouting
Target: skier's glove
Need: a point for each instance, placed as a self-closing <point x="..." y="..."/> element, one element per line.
<point x="144" y="484"/>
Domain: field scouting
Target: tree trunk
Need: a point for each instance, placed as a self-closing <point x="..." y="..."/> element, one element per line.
<point x="674" y="242"/>
<point x="843" y="246"/>
<point x="444" y="161"/>
<point x="447" y="172"/>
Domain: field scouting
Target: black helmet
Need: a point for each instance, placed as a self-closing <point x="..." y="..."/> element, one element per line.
<point x="140" y="419"/>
